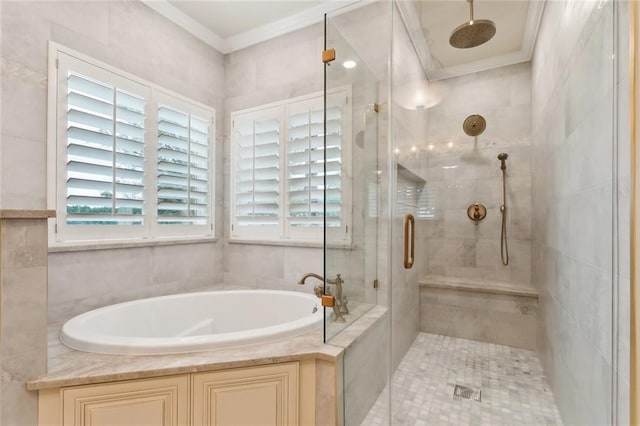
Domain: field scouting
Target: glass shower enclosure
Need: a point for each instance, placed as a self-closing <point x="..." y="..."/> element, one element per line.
<point x="399" y="177"/>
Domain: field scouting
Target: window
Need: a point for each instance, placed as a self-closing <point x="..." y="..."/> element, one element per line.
<point x="278" y="170"/>
<point x="129" y="160"/>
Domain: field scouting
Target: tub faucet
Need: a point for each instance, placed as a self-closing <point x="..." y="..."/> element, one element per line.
<point x="340" y="306"/>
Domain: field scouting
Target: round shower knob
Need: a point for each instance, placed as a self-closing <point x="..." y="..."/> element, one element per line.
<point x="477" y="212"/>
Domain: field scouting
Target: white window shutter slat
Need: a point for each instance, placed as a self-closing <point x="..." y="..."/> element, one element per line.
<point x="105" y="153"/>
<point x="183" y="167"/>
<point x="131" y="160"/>
<point x="256" y="173"/>
<point x="295" y="206"/>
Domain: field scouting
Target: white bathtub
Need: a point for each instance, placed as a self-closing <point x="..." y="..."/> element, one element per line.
<point x="193" y="322"/>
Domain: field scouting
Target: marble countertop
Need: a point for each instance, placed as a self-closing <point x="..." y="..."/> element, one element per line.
<point x="68" y="367"/>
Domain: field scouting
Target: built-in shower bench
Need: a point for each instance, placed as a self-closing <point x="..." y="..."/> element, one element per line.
<point x="488" y="311"/>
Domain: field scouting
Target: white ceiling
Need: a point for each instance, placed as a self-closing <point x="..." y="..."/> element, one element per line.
<point x="516" y="29"/>
<point x="440" y="18"/>
<point x="230" y="18"/>
<point x="230" y="25"/>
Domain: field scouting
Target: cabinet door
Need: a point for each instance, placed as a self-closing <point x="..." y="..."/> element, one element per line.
<point x="258" y="396"/>
<point x="152" y="402"/>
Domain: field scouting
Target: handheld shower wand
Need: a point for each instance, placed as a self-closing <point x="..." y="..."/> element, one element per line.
<point x="503" y="160"/>
<point x="504" y="249"/>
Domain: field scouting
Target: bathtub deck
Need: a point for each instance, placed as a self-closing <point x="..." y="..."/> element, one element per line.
<point x="68" y="367"/>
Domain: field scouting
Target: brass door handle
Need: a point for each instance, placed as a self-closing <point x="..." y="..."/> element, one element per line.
<point x="409" y="240"/>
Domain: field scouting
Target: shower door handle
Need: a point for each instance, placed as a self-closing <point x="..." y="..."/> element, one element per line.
<point x="409" y="240"/>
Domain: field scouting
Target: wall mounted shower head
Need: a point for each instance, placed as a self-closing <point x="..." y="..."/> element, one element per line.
<point x="503" y="158"/>
<point x="474" y="125"/>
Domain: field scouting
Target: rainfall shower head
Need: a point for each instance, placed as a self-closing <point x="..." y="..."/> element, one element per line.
<point x="472" y="33"/>
<point x="503" y="158"/>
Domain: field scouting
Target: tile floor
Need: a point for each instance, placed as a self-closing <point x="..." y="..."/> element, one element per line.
<point x="514" y="389"/>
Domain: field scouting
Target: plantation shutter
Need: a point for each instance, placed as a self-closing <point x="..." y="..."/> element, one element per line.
<point x="130" y="161"/>
<point x="278" y="169"/>
<point x="183" y="172"/>
<point x="306" y="166"/>
<point x="105" y="152"/>
<point x="256" y="180"/>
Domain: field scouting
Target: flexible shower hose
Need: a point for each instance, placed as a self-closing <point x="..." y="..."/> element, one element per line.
<point x="504" y="248"/>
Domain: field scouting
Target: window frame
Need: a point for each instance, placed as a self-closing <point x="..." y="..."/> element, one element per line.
<point x="283" y="233"/>
<point x="61" y="234"/>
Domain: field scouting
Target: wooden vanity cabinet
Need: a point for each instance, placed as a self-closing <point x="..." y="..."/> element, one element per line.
<point x="267" y="395"/>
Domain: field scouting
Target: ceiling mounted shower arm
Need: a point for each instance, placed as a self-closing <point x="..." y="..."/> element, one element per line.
<point x="472" y="33"/>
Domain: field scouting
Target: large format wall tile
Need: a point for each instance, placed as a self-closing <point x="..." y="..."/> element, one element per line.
<point x="573" y="224"/>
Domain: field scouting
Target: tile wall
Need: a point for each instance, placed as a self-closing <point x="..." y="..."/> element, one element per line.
<point x="163" y="54"/>
<point x="277" y="69"/>
<point x="23" y="315"/>
<point x="623" y="221"/>
<point x="407" y="127"/>
<point x="572" y="251"/>
<point x="129" y="36"/>
<point x="285" y="67"/>
<point x="461" y="170"/>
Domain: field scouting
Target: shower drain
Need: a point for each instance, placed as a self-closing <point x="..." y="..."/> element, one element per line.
<point x="468" y="393"/>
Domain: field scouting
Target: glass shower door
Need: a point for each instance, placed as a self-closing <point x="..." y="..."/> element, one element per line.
<point x="356" y="120"/>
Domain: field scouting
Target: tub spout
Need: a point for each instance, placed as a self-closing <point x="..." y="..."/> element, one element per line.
<point x="340" y="306"/>
<point x="308" y="275"/>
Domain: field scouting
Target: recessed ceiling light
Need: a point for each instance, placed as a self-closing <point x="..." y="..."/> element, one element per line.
<point x="349" y="64"/>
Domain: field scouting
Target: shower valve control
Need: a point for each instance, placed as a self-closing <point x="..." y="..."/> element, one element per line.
<point x="477" y="212"/>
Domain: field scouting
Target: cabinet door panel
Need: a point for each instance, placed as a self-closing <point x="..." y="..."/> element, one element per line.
<point x="259" y="396"/>
<point x="153" y="402"/>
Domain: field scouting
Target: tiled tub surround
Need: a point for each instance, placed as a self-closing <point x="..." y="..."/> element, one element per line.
<point x="255" y="76"/>
<point x="65" y="283"/>
<point x="487" y="311"/>
<point x="514" y="390"/>
<point x="23" y="299"/>
<point x="68" y="367"/>
<point x="104" y="30"/>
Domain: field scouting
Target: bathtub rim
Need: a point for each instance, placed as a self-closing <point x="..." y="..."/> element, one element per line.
<point x="71" y="331"/>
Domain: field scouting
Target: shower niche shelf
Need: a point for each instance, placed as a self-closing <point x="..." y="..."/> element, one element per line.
<point x="406" y="173"/>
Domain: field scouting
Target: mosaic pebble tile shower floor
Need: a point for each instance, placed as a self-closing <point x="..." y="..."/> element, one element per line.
<point x="513" y="388"/>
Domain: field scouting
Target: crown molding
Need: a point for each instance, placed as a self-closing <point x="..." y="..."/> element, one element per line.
<point x="534" y="17"/>
<point x="529" y="37"/>
<point x="477" y="66"/>
<point x="284" y="26"/>
<point x="185" y="21"/>
<point x="410" y="17"/>
<point x="316" y="14"/>
<point x="257" y="35"/>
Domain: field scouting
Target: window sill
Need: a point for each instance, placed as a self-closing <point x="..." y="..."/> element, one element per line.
<point x="309" y="244"/>
<point x="124" y="244"/>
